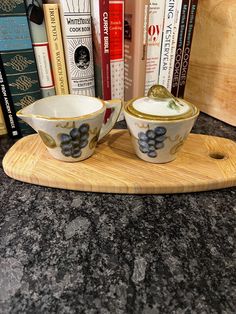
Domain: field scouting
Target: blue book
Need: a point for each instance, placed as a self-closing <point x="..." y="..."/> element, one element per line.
<point x="19" y="82"/>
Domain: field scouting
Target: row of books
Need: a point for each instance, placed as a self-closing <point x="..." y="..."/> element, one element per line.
<point x="19" y="75"/>
<point x="160" y="53"/>
<point x="59" y="47"/>
<point x="103" y="48"/>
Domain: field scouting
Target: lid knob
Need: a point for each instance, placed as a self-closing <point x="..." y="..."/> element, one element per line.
<point x="159" y="92"/>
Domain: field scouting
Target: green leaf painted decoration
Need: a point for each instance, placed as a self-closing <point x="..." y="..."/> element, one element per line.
<point x="94" y="140"/>
<point x="172" y="105"/>
<point x="47" y="139"/>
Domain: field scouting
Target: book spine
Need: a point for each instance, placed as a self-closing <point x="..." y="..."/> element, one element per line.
<point x="187" y="48"/>
<point x="35" y="15"/>
<point x="174" y="43"/>
<point x="3" y="129"/>
<point x="179" y="48"/>
<point x="53" y="28"/>
<point x="169" y="20"/>
<point x="101" y="48"/>
<point x="135" y="43"/>
<point x="105" y="45"/>
<point x="155" y="30"/>
<point x="77" y="39"/>
<point x="96" y="38"/>
<point x="19" y="76"/>
<point x="116" y="17"/>
<point x="8" y="105"/>
<point x="22" y="79"/>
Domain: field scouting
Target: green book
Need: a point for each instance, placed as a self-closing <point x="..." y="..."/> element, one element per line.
<point x="19" y="82"/>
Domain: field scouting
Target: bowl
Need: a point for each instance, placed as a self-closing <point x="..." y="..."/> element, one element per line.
<point x="159" y="124"/>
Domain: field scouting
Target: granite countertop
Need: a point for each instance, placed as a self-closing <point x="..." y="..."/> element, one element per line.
<point x="75" y="252"/>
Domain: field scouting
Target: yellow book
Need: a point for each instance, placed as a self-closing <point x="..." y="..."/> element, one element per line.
<point x="3" y="129"/>
<point x="53" y="27"/>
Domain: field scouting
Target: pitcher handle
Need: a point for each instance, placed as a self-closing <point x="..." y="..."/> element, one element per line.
<point x="115" y="106"/>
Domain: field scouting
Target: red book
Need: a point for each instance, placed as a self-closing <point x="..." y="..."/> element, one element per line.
<point x="101" y="46"/>
<point x="116" y="18"/>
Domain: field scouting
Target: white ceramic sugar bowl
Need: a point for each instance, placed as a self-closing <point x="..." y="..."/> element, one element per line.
<point x="159" y="124"/>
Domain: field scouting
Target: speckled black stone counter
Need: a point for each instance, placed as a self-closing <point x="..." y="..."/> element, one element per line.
<point x="75" y="252"/>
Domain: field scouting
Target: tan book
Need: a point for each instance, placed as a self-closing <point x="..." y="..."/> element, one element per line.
<point x="53" y="28"/>
<point x="3" y="129"/>
<point x="135" y="43"/>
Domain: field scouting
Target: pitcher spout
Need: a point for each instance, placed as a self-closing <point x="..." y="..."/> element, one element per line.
<point x="26" y="117"/>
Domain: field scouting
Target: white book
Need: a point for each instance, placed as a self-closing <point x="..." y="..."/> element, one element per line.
<point x="40" y="46"/>
<point x="168" y="29"/>
<point x="77" y="39"/>
<point x="155" y="32"/>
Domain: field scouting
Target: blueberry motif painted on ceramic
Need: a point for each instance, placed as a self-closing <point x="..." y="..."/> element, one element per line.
<point x="73" y="143"/>
<point x="151" y="141"/>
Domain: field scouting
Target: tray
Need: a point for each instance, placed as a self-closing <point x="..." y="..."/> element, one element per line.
<point x="203" y="163"/>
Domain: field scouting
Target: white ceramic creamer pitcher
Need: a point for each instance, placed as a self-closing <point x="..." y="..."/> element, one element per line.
<point x="71" y="125"/>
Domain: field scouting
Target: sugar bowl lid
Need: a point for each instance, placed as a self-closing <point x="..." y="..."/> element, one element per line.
<point x="160" y="104"/>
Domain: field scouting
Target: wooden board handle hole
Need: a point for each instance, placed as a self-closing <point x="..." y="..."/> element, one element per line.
<point x="218" y="156"/>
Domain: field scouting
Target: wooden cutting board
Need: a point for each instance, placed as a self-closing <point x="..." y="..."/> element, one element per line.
<point x="203" y="163"/>
<point x="211" y="81"/>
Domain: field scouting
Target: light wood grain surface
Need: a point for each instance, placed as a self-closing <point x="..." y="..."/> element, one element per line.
<point x="211" y="81"/>
<point x="203" y="163"/>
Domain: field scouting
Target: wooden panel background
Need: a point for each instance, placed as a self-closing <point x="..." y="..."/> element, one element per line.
<point x="211" y="82"/>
